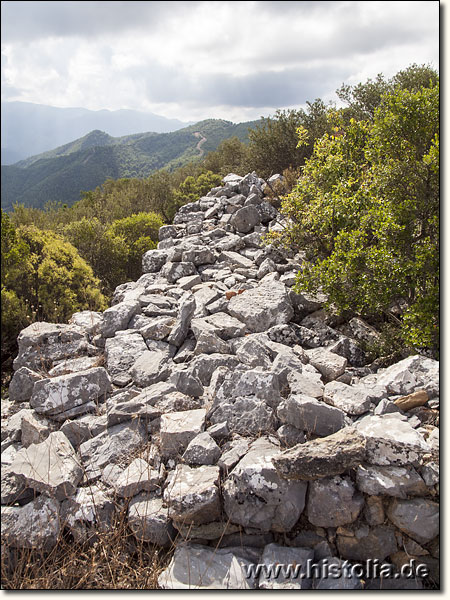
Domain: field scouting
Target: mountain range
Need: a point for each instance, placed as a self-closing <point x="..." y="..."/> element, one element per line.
<point x="60" y="175"/>
<point x="28" y="129"/>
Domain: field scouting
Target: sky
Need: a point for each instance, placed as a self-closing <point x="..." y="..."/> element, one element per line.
<point x="195" y="60"/>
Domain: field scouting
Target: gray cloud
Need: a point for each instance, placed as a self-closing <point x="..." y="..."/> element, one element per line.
<point x="30" y="20"/>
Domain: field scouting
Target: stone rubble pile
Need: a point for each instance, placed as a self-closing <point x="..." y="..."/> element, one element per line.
<point x="226" y="414"/>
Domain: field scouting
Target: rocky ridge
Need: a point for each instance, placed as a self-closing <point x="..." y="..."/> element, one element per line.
<point x="226" y="414"/>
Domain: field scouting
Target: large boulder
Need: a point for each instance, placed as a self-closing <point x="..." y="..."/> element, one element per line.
<point x="151" y="367"/>
<point x="50" y="467"/>
<point x="262" y="307"/>
<point x="418" y="518"/>
<point x="61" y="394"/>
<point x="192" y="494"/>
<point x="22" y="384"/>
<point x="118" y="316"/>
<point x="36" y="525"/>
<point x="311" y="415"/>
<point x="322" y="457"/>
<point x="179" y="428"/>
<point x="333" y="501"/>
<point x="256" y="496"/>
<point x="195" y="567"/>
<point x="410" y="374"/>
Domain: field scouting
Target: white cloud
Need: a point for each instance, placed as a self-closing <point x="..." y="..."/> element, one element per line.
<point x="192" y="60"/>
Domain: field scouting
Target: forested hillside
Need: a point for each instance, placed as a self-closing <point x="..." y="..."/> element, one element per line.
<point x="61" y="174"/>
<point x="364" y="209"/>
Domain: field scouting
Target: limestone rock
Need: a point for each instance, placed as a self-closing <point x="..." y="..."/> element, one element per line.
<point x="391" y="441"/>
<point x="333" y="502"/>
<point x="181" y="327"/>
<point x="151" y="367"/>
<point x="297" y="558"/>
<point x="262" y="307"/>
<point x="371" y="543"/>
<point x="58" y="395"/>
<point x="202" y="450"/>
<point x="195" y="567"/>
<point x="154" y="260"/>
<point x="324" y="457"/>
<point x="410" y="374"/>
<point x="149" y="520"/>
<point x="246" y="219"/>
<point x="329" y="364"/>
<point x="311" y="415"/>
<point x="118" y="316"/>
<point x="192" y="494"/>
<point x="87" y="512"/>
<point x="352" y="399"/>
<point x="244" y="415"/>
<point x="137" y="477"/>
<point x="179" y="428"/>
<point x="390" y="481"/>
<point x="22" y="383"/>
<point x="256" y="496"/>
<point x="35" y="525"/>
<point x="418" y="518"/>
<point x="121" y="352"/>
<point x="51" y="467"/>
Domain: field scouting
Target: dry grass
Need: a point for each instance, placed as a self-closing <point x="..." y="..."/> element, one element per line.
<point x="115" y="560"/>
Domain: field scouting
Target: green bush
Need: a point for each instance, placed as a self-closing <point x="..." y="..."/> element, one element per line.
<point x="366" y="209"/>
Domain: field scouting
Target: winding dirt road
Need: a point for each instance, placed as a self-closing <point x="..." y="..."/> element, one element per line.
<point x="201" y="142"/>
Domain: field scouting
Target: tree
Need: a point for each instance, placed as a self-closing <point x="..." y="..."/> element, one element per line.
<point x="366" y="208"/>
<point x="43" y="278"/>
<point x="194" y="188"/>
<point x="273" y="145"/>
<point x="231" y="156"/>
<point x="140" y="233"/>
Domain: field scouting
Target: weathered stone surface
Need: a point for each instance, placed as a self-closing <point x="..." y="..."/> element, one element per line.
<point x="199" y="255"/>
<point x="22" y="383"/>
<point x="41" y="344"/>
<point x="188" y="384"/>
<point x="343" y="580"/>
<point x="354" y="400"/>
<point x="153" y="260"/>
<point x="232" y="454"/>
<point x="57" y="395"/>
<point x="35" y="525"/>
<point x="151" y="367"/>
<point x="410" y="374"/>
<point x="391" y="441"/>
<point x="418" y="398"/>
<point x="262" y="307"/>
<point x="173" y="271"/>
<point x="87" y="512"/>
<point x="158" y="329"/>
<point x="74" y="365"/>
<point x="118" y="316"/>
<point x="306" y="384"/>
<point x="252" y="352"/>
<point x="283" y="555"/>
<point x="311" y="415"/>
<point x="181" y="327"/>
<point x="245" y="219"/>
<point x="244" y="415"/>
<point x="418" y="518"/>
<point x="254" y="382"/>
<point x="196" y="567"/>
<point x="137" y="477"/>
<point x="35" y="429"/>
<point x="137" y="407"/>
<point x="290" y="436"/>
<point x="192" y="494"/>
<point x="209" y="343"/>
<point x="149" y="520"/>
<point x="390" y="481"/>
<point x="322" y="457"/>
<point x="329" y="364"/>
<point x="333" y="502"/>
<point x="208" y="531"/>
<point x="51" y="467"/>
<point x="121" y="352"/>
<point x="203" y="367"/>
<point x="374" y="510"/>
<point x="84" y="428"/>
<point x="179" y="428"/>
<point x="225" y="326"/>
<point x="256" y="496"/>
<point x="112" y="446"/>
<point x="374" y="543"/>
<point x="202" y="450"/>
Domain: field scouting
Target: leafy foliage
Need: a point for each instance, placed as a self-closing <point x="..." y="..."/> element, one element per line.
<point x="366" y="208"/>
<point x="43" y="278"/>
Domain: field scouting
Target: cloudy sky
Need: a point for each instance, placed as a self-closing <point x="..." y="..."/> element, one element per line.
<point x="194" y="60"/>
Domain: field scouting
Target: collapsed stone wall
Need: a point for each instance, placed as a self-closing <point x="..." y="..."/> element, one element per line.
<point x="227" y="414"/>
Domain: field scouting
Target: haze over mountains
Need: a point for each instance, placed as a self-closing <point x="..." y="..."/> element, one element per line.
<point x="60" y="175"/>
<point x="28" y="129"/>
